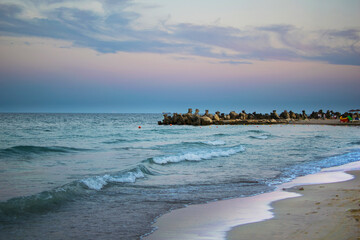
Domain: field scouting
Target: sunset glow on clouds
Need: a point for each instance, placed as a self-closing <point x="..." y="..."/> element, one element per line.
<point x="142" y="56"/>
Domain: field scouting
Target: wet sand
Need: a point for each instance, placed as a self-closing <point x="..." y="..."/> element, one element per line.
<point x="325" y="211"/>
<point x="331" y="205"/>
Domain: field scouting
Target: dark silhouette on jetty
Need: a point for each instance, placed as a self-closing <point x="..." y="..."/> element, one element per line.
<point x="233" y="118"/>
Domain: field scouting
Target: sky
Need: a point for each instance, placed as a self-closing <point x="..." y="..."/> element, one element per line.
<point x="137" y="56"/>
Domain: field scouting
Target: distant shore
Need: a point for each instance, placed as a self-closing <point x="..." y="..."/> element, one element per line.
<point x="324" y="211"/>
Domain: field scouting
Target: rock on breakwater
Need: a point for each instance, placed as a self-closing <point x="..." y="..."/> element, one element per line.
<point x="241" y="118"/>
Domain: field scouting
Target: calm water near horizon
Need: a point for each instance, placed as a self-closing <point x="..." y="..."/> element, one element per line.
<point x="98" y="176"/>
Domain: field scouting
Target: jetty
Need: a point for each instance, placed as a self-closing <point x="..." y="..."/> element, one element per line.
<point x="243" y="118"/>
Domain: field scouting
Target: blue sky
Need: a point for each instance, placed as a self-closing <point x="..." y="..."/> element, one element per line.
<point x="154" y="56"/>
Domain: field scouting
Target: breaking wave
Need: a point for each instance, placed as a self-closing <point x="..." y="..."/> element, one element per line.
<point x="315" y="166"/>
<point x="214" y="143"/>
<point x="191" y="145"/>
<point x="98" y="182"/>
<point x="210" y="143"/>
<point x="197" y="155"/>
<point x="50" y="200"/>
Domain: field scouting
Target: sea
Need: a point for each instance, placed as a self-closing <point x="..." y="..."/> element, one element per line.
<point x="110" y="176"/>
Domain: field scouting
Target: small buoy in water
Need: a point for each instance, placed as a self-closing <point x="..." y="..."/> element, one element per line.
<point x="216" y="126"/>
<point x="170" y="124"/>
<point x="200" y="127"/>
<point x="139" y="127"/>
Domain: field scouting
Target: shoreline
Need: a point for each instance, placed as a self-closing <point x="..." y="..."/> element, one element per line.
<point x="225" y="219"/>
<point x="323" y="211"/>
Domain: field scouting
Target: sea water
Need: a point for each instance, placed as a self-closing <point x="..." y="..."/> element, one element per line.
<point x="100" y="176"/>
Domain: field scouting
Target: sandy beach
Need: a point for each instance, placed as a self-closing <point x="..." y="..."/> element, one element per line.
<point x="325" y="211"/>
<point x="325" y="205"/>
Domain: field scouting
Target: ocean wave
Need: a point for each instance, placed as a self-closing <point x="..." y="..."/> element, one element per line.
<point x="255" y="131"/>
<point x="221" y="134"/>
<point x="50" y="200"/>
<point x="168" y="129"/>
<point x="28" y="149"/>
<point x="126" y="140"/>
<point x="195" y="144"/>
<point x="120" y="140"/>
<point x="315" y="166"/>
<point x="39" y="203"/>
<point x="214" y="143"/>
<point x="98" y="182"/>
<point x="210" y="143"/>
<point x="261" y="137"/>
<point x="197" y="155"/>
<point x="355" y="142"/>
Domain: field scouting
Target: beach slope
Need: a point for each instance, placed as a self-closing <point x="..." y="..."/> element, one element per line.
<point x="325" y="211"/>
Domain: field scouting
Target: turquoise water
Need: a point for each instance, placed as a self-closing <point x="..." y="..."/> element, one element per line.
<point x="99" y="176"/>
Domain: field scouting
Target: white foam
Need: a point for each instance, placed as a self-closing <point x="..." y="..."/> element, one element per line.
<point x="214" y="143"/>
<point x="198" y="156"/>
<point x="129" y="177"/>
<point x="98" y="182"/>
<point x="261" y="137"/>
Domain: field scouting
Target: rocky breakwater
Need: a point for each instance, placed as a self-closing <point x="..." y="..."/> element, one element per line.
<point x="233" y="118"/>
